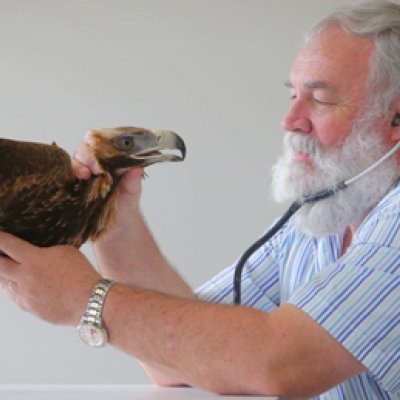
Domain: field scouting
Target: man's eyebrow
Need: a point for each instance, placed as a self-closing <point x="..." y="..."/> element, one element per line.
<point x="311" y="84"/>
<point x="317" y="85"/>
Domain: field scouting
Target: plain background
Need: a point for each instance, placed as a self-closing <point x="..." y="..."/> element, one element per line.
<point x="212" y="70"/>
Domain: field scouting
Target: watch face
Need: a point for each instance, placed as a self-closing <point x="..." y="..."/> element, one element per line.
<point x="92" y="335"/>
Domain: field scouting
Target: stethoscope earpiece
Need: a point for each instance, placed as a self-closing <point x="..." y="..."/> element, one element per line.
<point x="396" y="120"/>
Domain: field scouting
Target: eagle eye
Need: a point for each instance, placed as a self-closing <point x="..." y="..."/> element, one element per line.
<point x="124" y="143"/>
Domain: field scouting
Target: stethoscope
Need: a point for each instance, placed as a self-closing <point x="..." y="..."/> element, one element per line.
<point x="323" y="194"/>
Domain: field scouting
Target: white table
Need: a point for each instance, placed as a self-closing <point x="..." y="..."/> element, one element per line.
<point x="109" y="392"/>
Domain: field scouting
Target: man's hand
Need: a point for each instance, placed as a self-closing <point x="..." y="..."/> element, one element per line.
<point x="118" y="244"/>
<point x="53" y="283"/>
<point x="129" y="189"/>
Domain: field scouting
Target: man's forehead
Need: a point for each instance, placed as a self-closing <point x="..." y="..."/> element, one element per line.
<point x="334" y="60"/>
<point x="337" y="45"/>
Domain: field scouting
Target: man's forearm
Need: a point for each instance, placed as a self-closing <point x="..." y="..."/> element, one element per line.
<point x="179" y="338"/>
<point x="228" y="349"/>
<point x="132" y="256"/>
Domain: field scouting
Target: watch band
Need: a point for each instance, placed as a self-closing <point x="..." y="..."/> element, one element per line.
<point x="91" y="327"/>
<point x="94" y="310"/>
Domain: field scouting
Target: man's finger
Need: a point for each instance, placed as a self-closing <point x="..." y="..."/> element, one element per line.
<point x="4" y="282"/>
<point x="84" y="158"/>
<point x="80" y="170"/>
<point x="15" y="248"/>
<point x="131" y="182"/>
<point x="8" y="270"/>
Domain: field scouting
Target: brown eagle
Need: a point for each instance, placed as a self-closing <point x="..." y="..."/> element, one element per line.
<point x="42" y="201"/>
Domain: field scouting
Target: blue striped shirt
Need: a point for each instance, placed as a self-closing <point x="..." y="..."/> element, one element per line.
<point x="355" y="297"/>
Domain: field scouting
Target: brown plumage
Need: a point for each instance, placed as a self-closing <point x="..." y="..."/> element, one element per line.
<point x="43" y="202"/>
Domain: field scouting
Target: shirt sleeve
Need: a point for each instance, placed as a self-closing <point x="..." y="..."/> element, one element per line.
<point x="260" y="280"/>
<point x="357" y="300"/>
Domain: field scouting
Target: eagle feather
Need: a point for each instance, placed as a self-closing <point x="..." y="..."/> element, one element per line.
<point x="42" y="201"/>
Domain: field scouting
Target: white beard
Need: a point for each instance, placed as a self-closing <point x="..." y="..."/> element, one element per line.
<point x="293" y="180"/>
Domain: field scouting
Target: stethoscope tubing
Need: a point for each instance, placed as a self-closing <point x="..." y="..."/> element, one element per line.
<point x="294" y="207"/>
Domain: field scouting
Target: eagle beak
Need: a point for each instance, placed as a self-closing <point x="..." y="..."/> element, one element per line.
<point x="168" y="146"/>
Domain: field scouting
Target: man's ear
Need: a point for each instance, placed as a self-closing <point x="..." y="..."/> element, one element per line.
<point x="395" y="122"/>
<point x="395" y="128"/>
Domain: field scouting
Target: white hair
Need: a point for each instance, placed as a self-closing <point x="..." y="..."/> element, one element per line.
<point x="378" y="20"/>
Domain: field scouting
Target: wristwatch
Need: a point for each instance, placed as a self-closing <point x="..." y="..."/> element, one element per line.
<point x="91" y="328"/>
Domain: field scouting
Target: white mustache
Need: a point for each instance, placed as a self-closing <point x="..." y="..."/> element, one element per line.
<point x="300" y="142"/>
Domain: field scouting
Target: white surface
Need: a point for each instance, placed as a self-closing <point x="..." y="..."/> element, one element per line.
<point x="109" y="392"/>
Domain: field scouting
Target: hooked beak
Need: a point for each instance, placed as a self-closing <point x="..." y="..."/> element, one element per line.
<point x="163" y="147"/>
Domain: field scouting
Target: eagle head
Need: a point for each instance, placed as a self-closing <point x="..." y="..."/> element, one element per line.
<point x="122" y="148"/>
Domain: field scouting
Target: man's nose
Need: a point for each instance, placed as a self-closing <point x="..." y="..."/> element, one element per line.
<point x="297" y="119"/>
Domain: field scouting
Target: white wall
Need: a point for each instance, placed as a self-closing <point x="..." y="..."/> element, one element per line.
<point x="212" y="70"/>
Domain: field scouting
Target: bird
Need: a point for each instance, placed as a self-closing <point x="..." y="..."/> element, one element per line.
<point x="44" y="203"/>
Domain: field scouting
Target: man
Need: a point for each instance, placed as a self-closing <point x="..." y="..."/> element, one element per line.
<point x="323" y="294"/>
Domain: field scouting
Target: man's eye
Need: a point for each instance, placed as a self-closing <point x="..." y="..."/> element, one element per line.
<point x="324" y="103"/>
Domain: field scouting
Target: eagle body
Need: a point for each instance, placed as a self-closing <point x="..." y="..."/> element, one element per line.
<point x="42" y="201"/>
